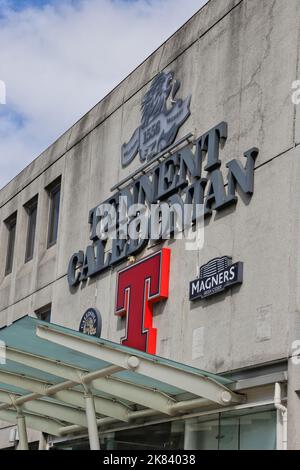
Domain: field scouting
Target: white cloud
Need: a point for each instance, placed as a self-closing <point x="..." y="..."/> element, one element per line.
<point x="59" y="61"/>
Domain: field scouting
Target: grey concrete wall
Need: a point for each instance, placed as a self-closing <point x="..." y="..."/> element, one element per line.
<point x="238" y="59"/>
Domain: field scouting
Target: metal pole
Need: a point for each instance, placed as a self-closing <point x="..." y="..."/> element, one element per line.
<point x="282" y="421"/>
<point x="43" y="444"/>
<point x="190" y="435"/>
<point x="23" y="441"/>
<point x="91" y="421"/>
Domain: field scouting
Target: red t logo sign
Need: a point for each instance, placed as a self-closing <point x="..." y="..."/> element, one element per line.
<point x="138" y="287"/>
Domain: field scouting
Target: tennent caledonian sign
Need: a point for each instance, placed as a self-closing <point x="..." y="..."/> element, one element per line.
<point x="191" y="176"/>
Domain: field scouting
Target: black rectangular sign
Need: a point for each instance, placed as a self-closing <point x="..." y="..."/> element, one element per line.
<point x="209" y="285"/>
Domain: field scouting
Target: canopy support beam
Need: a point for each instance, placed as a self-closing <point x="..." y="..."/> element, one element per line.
<point x="201" y="386"/>
<point x="102" y="380"/>
<point x="72" y="397"/>
<point x="44" y="408"/>
<point x="37" y="422"/>
<point x="91" y="421"/>
<point x="22" y="431"/>
<point x="43" y="444"/>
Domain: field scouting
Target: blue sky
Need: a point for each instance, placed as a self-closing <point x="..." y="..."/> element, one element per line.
<point x="19" y="4"/>
<point x="59" y="58"/>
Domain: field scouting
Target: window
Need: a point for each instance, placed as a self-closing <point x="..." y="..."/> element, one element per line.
<point x="54" y="195"/>
<point x="234" y="430"/>
<point x="31" y="208"/>
<point x="44" y="313"/>
<point x="11" y="224"/>
<point x="249" y="430"/>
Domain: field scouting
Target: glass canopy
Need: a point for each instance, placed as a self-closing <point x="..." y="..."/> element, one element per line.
<point x="60" y="381"/>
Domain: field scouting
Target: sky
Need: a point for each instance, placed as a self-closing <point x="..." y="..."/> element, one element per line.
<point x="60" y="57"/>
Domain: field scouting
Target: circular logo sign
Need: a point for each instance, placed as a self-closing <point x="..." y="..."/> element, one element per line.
<point x="91" y="323"/>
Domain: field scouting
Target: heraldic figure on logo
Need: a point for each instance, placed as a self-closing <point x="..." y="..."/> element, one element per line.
<point x="162" y="116"/>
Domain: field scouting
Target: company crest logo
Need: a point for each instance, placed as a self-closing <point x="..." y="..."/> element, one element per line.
<point x="162" y="116"/>
<point x="216" y="276"/>
<point x="91" y="323"/>
<point x="139" y="287"/>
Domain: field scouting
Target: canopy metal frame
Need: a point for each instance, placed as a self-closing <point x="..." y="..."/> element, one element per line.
<point x="79" y="398"/>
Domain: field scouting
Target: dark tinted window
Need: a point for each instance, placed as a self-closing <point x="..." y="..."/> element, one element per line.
<point x="44" y="313"/>
<point x="54" y="195"/>
<point x="31" y="209"/>
<point x="11" y="225"/>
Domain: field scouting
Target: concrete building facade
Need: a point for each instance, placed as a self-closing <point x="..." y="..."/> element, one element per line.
<point x="238" y="61"/>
